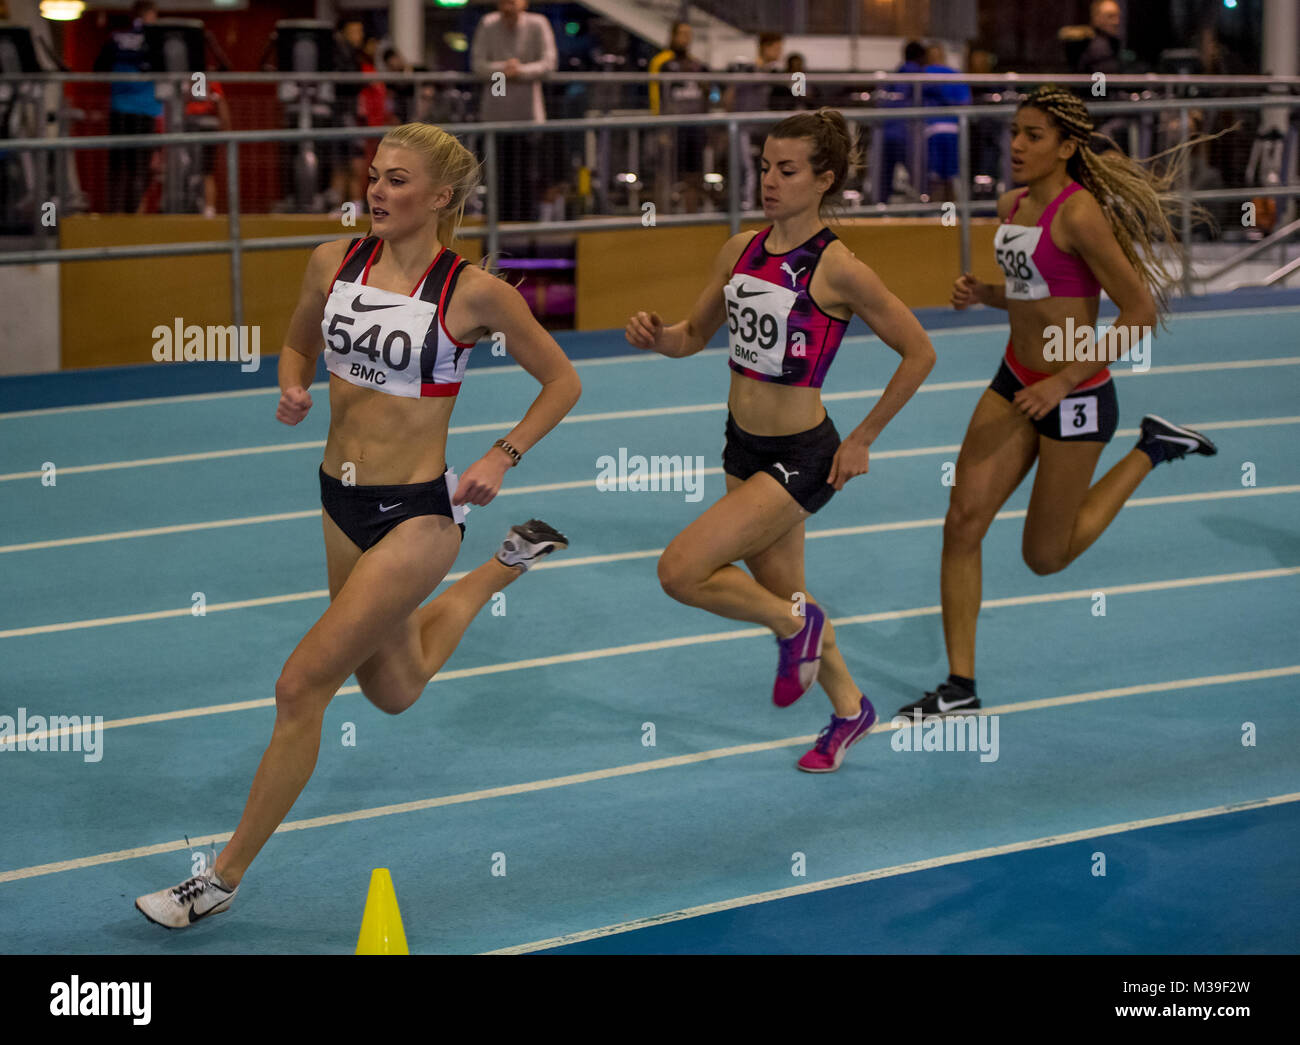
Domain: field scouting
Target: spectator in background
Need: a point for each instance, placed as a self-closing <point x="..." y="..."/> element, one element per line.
<point x="1104" y="54"/>
<point x="941" y="132"/>
<point x="985" y="132"/>
<point x="521" y="45"/>
<point x="401" y="96"/>
<point x="348" y="175"/>
<point x="679" y="42"/>
<point x="896" y="152"/>
<point x="210" y="113"/>
<point x="372" y="111"/>
<point x="755" y="97"/>
<point x="681" y="150"/>
<point x="788" y="99"/>
<point x="134" y="108"/>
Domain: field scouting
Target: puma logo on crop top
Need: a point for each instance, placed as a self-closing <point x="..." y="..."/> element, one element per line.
<point x="392" y="342"/>
<point x="1034" y="266"/>
<point x="777" y="332"/>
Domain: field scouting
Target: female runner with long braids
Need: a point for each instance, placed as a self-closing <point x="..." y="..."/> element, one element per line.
<point x="396" y="357"/>
<point x="1087" y="220"/>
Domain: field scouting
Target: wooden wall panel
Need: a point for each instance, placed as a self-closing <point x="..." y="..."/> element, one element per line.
<point x="664" y="269"/>
<point x="109" y="309"/>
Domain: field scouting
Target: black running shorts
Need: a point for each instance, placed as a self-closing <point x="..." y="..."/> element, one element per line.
<point x="801" y="463"/>
<point x="366" y="513"/>
<point x="1090" y="416"/>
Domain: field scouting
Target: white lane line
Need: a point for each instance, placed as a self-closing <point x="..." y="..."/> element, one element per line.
<point x="273" y="390"/>
<point x="889" y="872"/>
<point x="148" y="462"/>
<point x="628" y="415"/>
<point x="700" y="640"/>
<point x="155" y="531"/>
<point x="618" y="771"/>
<point x="132" y="618"/>
<point x="631" y="357"/>
<point x="861" y="618"/>
<point x="642" y="553"/>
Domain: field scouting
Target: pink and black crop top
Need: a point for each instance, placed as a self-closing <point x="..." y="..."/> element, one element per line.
<point x="777" y="332"/>
<point x="1034" y="266"/>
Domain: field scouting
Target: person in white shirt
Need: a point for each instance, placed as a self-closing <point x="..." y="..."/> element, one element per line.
<point x="521" y="46"/>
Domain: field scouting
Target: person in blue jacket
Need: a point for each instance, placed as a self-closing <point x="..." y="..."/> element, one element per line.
<point x="134" y="108"/>
<point x="941" y="132"/>
<point x="895" y="131"/>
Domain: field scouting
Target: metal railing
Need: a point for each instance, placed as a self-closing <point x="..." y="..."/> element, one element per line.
<point x="1147" y="81"/>
<point x="964" y="206"/>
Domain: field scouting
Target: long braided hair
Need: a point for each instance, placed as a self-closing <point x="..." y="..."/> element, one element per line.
<point x="1137" y="197"/>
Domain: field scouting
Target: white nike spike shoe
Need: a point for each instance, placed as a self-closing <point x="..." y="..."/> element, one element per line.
<point x="527" y="543"/>
<point x="184" y="904"/>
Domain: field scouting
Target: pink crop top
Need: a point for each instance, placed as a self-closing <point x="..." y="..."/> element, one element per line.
<point x="1034" y="266"/>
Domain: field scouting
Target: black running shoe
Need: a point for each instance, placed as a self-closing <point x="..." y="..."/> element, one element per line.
<point x="1174" y="441"/>
<point x="946" y="700"/>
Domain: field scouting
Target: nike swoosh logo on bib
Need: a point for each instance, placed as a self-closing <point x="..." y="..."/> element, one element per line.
<point x="1008" y="239"/>
<point x="357" y="306"/>
<point x="742" y="292"/>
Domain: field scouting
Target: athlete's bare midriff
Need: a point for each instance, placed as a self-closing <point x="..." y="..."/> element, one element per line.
<point x="769" y="408"/>
<point x="389" y="439"/>
<point x="1030" y="321"/>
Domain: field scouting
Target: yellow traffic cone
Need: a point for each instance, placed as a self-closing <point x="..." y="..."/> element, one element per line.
<point x="381" y="925"/>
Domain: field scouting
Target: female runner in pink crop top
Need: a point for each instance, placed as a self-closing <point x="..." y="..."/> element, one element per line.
<point x="786" y="295"/>
<point x="1058" y="247"/>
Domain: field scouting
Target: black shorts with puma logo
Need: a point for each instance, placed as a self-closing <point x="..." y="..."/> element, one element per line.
<point x="801" y="463"/>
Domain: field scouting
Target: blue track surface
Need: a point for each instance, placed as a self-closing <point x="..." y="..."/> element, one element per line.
<point x="715" y="811"/>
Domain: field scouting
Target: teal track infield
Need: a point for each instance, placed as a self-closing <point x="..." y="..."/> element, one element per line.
<point x="1144" y="797"/>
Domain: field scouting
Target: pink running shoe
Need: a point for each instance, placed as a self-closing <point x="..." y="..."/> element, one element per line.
<point x="833" y="741"/>
<point x="800" y="658"/>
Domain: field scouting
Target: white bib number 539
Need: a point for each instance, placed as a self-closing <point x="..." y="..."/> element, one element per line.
<point x="757" y="312"/>
<point x="1078" y="416"/>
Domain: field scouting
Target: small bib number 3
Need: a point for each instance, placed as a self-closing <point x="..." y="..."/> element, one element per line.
<point x="1078" y="416"/>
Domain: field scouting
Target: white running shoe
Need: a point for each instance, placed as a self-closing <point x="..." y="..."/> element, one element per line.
<point x="185" y="904"/>
<point x="527" y="543"/>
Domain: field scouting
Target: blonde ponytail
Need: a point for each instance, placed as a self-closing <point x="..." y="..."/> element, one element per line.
<point x="448" y="163"/>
